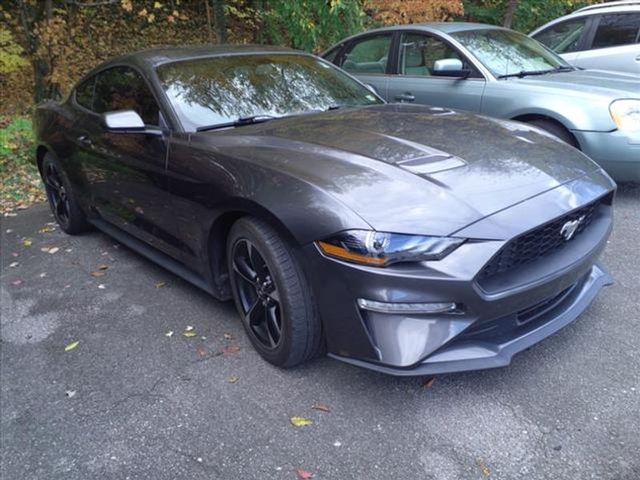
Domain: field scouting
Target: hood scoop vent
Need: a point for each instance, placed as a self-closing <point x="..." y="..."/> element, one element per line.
<point x="431" y="163"/>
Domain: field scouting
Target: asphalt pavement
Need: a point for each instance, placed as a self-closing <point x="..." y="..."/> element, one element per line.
<point x="132" y="401"/>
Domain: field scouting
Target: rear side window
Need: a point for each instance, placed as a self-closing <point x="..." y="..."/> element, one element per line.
<point x="84" y="93"/>
<point x="617" y="29"/>
<point x="369" y="55"/>
<point x="563" y="37"/>
<point x="122" y="88"/>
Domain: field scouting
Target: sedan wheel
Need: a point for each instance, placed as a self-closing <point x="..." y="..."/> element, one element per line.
<point x="272" y="294"/>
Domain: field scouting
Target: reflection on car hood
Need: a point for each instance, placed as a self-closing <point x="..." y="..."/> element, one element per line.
<point x="580" y="82"/>
<point x="413" y="168"/>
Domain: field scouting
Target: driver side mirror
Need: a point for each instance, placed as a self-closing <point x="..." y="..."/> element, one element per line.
<point x="123" y="121"/>
<point x="450" y="67"/>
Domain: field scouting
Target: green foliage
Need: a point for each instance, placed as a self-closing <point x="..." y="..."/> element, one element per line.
<point x="529" y="14"/>
<point x="19" y="179"/>
<point x="11" y="58"/>
<point x="309" y="25"/>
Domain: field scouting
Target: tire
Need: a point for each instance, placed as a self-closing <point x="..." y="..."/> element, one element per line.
<point x="63" y="202"/>
<point x="556" y="130"/>
<point x="272" y="294"/>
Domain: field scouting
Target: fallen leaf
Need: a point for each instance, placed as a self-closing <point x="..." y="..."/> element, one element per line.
<point x="300" y="421"/>
<point x="70" y="393"/>
<point x="43" y="274"/>
<point x="321" y="407"/>
<point x="231" y="349"/>
<point x="16" y="283"/>
<point x="202" y="352"/>
<point x="484" y="468"/>
<point x="97" y="274"/>
<point x="103" y="267"/>
<point x="428" y="383"/>
<point x="228" y="336"/>
<point x="46" y="230"/>
<point x="68" y="250"/>
<point x="233" y="379"/>
<point x="71" y="346"/>
<point x="189" y="334"/>
<point x="303" y="474"/>
<point x="14" y="264"/>
<point x="27" y="242"/>
<point x="102" y="286"/>
<point x="188" y="328"/>
<point x="169" y="333"/>
<point x="9" y="230"/>
<point x="161" y="284"/>
<point x="15" y="254"/>
<point x="45" y="249"/>
<point x="53" y="250"/>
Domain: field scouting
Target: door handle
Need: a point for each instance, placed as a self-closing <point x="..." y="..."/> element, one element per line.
<point x="85" y="141"/>
<point x="406" y="97"/>
<point x="638" y="58"/>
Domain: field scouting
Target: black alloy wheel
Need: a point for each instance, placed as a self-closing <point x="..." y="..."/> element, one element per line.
<point x="57" y="194"/>
<point x="258" y="294"/>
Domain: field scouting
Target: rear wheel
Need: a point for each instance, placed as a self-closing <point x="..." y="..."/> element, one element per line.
<point x="62" y="201"/>
<point x="271" y="294"/>
<point x="556" y="130"/>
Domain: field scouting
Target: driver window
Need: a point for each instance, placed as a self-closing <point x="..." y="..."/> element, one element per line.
<point x="418" y="54"/>
<point x="122" y="88"/>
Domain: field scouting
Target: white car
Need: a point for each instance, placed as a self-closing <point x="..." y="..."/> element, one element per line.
<point x="604" y="36"/>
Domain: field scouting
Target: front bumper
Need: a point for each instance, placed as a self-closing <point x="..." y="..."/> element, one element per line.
<point x="614" y="151"/>
<point x="498" y="317"/>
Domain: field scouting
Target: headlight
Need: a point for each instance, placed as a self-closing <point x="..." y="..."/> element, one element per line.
<point x="381" y="249"/>
<point x="626" y="115"/>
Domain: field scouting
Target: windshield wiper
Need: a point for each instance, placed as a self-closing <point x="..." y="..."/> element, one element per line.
<point x="525" y="73"/>
<point x="239" y="122"/>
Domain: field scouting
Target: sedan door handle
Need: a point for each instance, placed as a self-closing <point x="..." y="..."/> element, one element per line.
<point x="638" y="58"/>
<point x="406" y="97"/>
<point x="85" y="141"/>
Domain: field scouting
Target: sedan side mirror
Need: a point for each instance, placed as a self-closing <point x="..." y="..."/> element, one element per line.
<point x="123" y="120"/>
<point x="450" y="67"/>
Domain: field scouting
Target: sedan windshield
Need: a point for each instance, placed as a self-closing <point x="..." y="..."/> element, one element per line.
<point x="509" y="53"/>
<point x="239" y="90"/>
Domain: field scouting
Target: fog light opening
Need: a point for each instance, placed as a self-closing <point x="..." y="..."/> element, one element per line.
<point x="408" y="308"/>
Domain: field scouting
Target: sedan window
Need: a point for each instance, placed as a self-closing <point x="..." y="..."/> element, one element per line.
<point x="122" y="88"/>
<point x="84" y="93"/>
<point x="237" y="89"/>
<point x="505" y="52"/>
<point x="615" y="30"/>
<point x="418" y="53"/>
<point x="368" y="55"/>
<point x="563" y="37"/>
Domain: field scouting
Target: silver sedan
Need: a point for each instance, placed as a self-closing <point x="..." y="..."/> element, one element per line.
<point x="504" y="74"/>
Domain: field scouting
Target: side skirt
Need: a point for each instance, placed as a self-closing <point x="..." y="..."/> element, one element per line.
<point x="153" y="254"/>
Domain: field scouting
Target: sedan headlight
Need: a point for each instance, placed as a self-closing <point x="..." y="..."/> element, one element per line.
<point x="626" y="114"/>
<point x="381" y="249"/>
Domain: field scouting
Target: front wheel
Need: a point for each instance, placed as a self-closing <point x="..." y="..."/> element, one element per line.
<point x="272" y="294"/>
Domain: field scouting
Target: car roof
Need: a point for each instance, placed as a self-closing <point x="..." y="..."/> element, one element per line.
<point x="157" y="56"/>
<point x="609" y="6"/>
<point x="442" y="27"/>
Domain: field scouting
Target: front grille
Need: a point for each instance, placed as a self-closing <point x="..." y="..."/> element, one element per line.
<point x="539" y="242"/>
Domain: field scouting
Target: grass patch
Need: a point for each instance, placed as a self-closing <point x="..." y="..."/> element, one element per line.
<point x="20" y="184"/>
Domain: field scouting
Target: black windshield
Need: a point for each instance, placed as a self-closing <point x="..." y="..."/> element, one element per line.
<point x="219" y="90"/>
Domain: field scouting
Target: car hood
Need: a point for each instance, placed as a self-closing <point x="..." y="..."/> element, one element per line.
<point x="414" y="169"/>
<point x="612" y="85"/>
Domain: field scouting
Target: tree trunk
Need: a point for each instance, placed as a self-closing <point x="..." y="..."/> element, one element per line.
<point x="221" y="20"/>
<point x="510" y="13"/>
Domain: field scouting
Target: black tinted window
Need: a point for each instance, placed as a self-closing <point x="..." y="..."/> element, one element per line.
<point x="563" y="37"/>
<point x="84" y="93"/>
<point x="619" y="29"/>
<point x="369" y="55"/>
<point x="122" y="88"/>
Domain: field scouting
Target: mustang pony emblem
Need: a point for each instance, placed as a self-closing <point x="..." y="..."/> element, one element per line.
<point x="568" y="230"/>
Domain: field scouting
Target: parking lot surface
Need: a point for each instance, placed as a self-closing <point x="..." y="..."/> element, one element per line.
<point x="132" y="401"/>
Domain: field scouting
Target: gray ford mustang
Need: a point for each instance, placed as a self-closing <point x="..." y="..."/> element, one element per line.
<point x="402" y="238"/>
